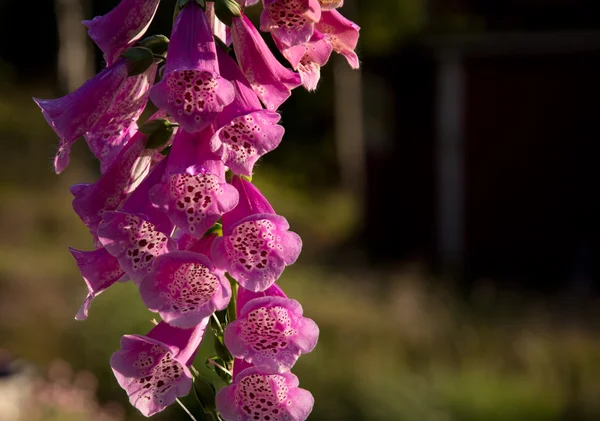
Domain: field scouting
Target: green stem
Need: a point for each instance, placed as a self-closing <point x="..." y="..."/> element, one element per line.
<point x="232" y="307"/>
<point x="218" y="322"/>
<point x="211" y="362"/>
<point x="186" y="410"/>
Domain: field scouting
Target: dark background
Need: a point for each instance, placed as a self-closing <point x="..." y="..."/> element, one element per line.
<point x="446" y="195"/>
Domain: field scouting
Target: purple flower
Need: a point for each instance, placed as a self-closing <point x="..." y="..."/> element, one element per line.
<point x="194" y="193"/>
<point x="342" y="34"/>
<point x="192" y="90"/>
<point x="114" y="32"/>
<point x="257" y="396"/>
<point x="75" y="114"/>
<point x="271" y="333"/>
<point x="308" y="58"/>
<point x="154" y="369"/>
<point x="100" y="270"/>
<point x="247" y="131"/>
<point x="118" y="124"/>
<point x="290" y="21"/>
<point x="269" y="79"/>
<point x="129" y="168"/>
<point x="184" y="288"/>
<point x="256" y="245"/>
<point x="138" y="232"/>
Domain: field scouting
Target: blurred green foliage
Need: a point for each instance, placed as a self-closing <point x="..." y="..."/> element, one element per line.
<point x="395" y="344"/>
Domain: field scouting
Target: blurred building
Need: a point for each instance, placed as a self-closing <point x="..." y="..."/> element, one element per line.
<point x="487" y="162"/>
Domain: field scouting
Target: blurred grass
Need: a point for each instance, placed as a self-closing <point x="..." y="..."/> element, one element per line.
<point x="395" y="344"/>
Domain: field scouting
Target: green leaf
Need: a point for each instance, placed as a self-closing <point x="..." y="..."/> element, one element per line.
<point x="154" y="125"/>
<point x="222" y="350"/>
<point x="158" y="44"/>
<point x="217" y="228"/>
<point x="159" y="138"/>
<point x="166" y="151"/>
<point x="159" y="132"/>
<point x="205" y="393"/>
<point x="226" y="10"/>
<point x="231" y="308"/>
<point x="139" y="58"/>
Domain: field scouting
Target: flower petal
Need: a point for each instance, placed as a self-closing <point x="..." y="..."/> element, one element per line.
<point x="118" y="124"/>
<point x="184" y="288"/>
<point x="257" y="396"/>
<point x="246" y="138"/>
<point x="100" y="270"/>
<point x="290" y="21"/>
<point x="271" y="81"/>
<point x="257" y="250"/>
<point x="343" y="34"/>
<point x="271" y="334"/>
<point x="134" y="242"/>
<point x="72" y="115"/>
<point x="121" y="27"/>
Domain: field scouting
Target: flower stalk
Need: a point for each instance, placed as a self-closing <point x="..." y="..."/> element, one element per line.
<point x="175" y="210"/>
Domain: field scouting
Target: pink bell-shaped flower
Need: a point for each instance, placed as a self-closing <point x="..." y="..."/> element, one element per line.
<point x="184" y="288"/>
<point x="192" y="91"/>
<point x="308" y="58"/>
<point x="271" y="333"/>
<point x="193" y="192"/>
<point x="290" y="21"/>
<point x="256" y="245"/>
<point x="116" y="31"/>
<point x="110" y="191"/>
<point x="154" y="369"/>
<point x="246" y="130"/>
<point x="271" y="81"/>
<point x="99" y="270"/>
<point x="75" y="114"/>
<point x="342" y="34"/>
<point x="118" y="124"/>
<point x="257" y="396"/>
<point x="138" y="232"/>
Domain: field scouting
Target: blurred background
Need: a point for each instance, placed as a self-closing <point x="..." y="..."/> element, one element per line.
<point x="446" y="194"/>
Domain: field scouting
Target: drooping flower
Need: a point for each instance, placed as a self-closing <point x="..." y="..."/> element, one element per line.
<point x="118" y="124"/>
<point x="341" y="33"/>
<point x="129" y="168"/>
<point x="99" y="270"/>
<point x="270" y="80"/>
<point x="137" y="233"/>
<point x="75" y="114"/>
<point x="257" y="396"/>
<point x="184" y="287"/>
<point x="192" y="90"/>
<point x="308" y="58"/>
<point x="114" y="32"/>
<point x="290" y="21"/>
<point x="246" y="130"/>
<point x="154" y="369"/>
<point x="271" y="333"/>
<point x="256" y="245"/>
<point x="194" y="193"/>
